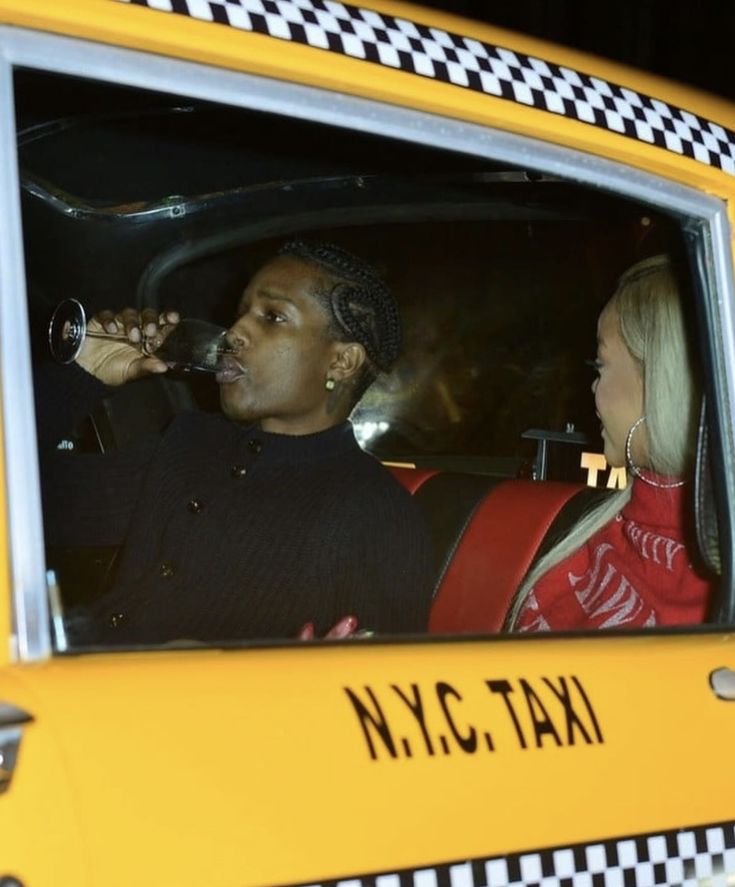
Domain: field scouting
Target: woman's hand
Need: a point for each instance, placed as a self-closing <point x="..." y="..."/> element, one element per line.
<point x="141" y="332"/>
<point x="345" y="628"/>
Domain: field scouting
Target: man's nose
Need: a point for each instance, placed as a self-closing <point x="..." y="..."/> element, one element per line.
<point x="238" y="336"/>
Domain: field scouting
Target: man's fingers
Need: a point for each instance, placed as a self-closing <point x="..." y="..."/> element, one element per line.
<point x="125" y="355"/>
<point x="168" y="321"/>
<point x="136" y="325"/>
<point x="167" y="317"/>
<point x="106" y="319"/>
<point x="149" y="322"/>
<point x="152" y="365"/>
<point x="130" y="320"/>
<point x="140" y="368"/>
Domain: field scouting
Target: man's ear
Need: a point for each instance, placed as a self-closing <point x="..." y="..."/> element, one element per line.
<point x="347" y="361"/>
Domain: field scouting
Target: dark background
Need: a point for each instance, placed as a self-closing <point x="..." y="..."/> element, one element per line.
<point x="691" y="41"/>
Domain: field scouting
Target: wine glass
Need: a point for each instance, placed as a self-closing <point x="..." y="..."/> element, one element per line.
<point x="193" y="346"/>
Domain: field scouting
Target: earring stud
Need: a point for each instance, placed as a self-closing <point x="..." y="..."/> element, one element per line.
<point x="329" y="384"/>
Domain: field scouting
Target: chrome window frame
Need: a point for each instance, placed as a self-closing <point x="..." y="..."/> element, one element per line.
<point x="72" y="56"/>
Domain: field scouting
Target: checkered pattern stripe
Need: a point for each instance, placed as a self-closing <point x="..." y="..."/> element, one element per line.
<point x="684" y="858"/>
<point x="463" y="61"/>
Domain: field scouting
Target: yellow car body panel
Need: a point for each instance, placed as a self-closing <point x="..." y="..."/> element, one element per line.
<point x="213" y="801"/>
<point x="42" y="830"/>
<point x="210" y="43"/>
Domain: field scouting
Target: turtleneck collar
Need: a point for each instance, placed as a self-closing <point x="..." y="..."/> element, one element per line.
<point x="294" y="448"/>
<point x="657" y="506"/>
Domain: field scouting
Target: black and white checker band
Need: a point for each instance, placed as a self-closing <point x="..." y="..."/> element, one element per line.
<point x="684" y="858"/>
<point x="464" y="61"/>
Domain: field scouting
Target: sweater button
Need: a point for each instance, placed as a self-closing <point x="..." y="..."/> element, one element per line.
<point x="116" y="620"/>
<point x="238" y="471"/>
<point x="194" y="505"/>
<point x="254" y="445"/>
<point x="166" y="570"/>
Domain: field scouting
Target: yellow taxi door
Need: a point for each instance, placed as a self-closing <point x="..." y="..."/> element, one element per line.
<point x="353" y="761"/>
<point x="41" y="838"/>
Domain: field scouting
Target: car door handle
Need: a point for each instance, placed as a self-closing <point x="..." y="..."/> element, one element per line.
<point x="722" y="681"/>
<point x="12" y="720"/>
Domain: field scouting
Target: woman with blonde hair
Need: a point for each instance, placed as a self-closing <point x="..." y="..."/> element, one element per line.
<point x="626" y="562"/>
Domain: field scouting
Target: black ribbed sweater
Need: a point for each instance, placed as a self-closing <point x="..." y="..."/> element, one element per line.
<point x="229" y="532"/>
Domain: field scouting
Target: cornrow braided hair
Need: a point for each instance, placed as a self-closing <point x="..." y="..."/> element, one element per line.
<point x="362" y="307"/>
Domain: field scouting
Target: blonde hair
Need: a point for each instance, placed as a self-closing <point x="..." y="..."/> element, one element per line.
<point x="651" y="321"/>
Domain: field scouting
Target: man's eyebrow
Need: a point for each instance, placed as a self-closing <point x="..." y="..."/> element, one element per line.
<point x="268" y="295"/>
<point x="274" y="296"/>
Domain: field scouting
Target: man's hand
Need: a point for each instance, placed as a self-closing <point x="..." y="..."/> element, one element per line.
<point x="130" y="357"/>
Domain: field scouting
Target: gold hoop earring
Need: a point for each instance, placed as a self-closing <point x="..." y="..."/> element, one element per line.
<point x="329" y="384"/>
<point x="636" y="470"/>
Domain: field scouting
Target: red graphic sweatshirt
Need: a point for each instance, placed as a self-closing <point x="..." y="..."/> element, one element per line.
<point x="633" y="572"/>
